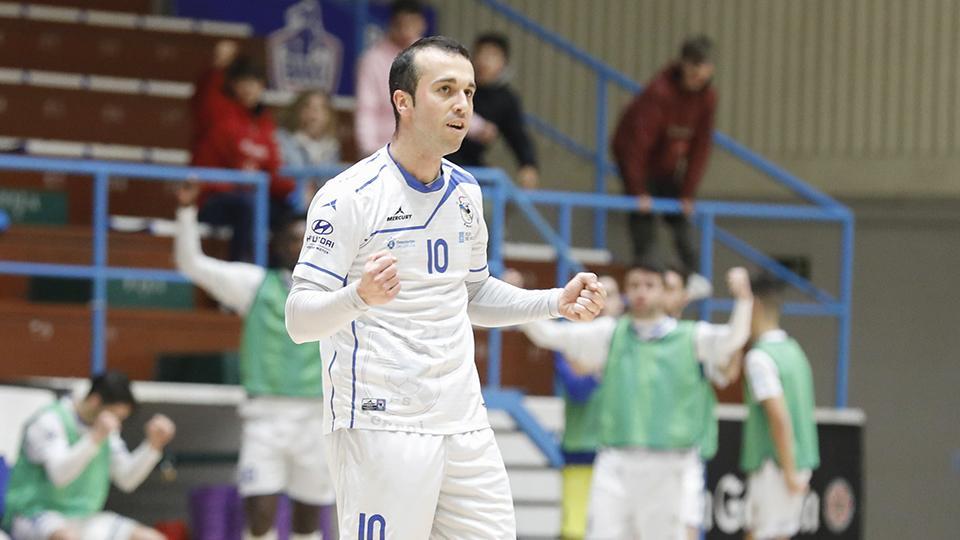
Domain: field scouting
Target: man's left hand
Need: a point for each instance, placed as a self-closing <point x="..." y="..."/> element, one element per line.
<point x="160" y="430"/>
<point x="582" y="298"/>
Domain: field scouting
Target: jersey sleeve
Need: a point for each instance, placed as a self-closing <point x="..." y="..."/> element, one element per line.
<point x="478" y="269"/>
<point x="335" y="229"/>
<point x="763" y="376"/>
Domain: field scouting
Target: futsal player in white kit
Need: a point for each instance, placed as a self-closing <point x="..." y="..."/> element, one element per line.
<point x="392" y="273"/>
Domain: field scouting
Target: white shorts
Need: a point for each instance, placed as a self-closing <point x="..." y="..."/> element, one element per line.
<point x="282" y="451"/>
<point x="394" y="485"/>
<point x="694" y="495"/>
<point x="642" y="494"/>
<point x="99" y="526"/>
<point x="772" y="511"/>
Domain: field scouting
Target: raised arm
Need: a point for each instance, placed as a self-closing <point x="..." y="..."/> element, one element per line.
<point x="585" y="345"/>
<point x="233" y="284"/>
<point x="717" y="343"/>
<point x="129" y="470"/>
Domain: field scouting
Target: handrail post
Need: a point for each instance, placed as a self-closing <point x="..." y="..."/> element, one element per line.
<point x="361" y="12"/>
<point x="600" y="161"/>
<point x="846" y="299"/>
<point x="98" y="302"/>
<point x="495" y="261"/>
<point x="261" y="212"/>
<point x="565" y="226"/>
<point x="707" y="223"/>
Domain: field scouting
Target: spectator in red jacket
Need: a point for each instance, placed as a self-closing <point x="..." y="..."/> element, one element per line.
<point x="662" y="143"/>
<point x="233" y="130"/>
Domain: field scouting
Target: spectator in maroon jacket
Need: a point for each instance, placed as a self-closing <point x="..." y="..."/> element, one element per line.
<point x="662" y="143"/>
<point x="233" y="130"/>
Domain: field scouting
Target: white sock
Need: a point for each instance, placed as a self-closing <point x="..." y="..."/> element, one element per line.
<point x="309" y="536"/>
<point x="269" y="535"/>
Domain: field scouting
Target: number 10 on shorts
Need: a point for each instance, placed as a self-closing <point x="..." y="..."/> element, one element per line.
<point x="368" y="526"/>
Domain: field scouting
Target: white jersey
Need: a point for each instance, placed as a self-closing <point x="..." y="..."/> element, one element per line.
<point x="407" y="365"/>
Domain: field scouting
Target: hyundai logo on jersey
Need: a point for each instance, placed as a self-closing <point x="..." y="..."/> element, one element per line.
<point x="322" y="227"/>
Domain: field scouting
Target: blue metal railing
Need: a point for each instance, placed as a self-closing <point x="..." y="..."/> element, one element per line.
<point x="99" y="271"/>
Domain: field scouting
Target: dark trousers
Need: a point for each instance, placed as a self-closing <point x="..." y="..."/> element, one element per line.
<point x="643" y="227"/>
<point x="235" y="209"/>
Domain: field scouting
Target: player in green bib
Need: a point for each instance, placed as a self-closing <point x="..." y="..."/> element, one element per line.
<point x="70" y="453"/>
<point x="654" y="400"/>
<point x="581" y="407"/>
<point x="281" y="450"/>
<point x="780" y="448"/>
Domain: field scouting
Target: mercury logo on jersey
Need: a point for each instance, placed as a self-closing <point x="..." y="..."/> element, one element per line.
<point x="399" y="215"/>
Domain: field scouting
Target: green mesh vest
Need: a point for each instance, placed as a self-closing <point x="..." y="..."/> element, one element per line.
<point x="271" y="364"/>
<point x="30" y="492"/>
<point x="797" y="382"/>
<point x="581" y="424"/>
<point x="654" y="394"/>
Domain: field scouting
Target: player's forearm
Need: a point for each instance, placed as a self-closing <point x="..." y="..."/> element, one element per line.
<point x="232" y="284"/>
<point x="64" y="468"/>
<point x="739" y="327"/>
<point x="782" y="432"/>
<point x="313" y="314"/>
<point x="128" y="470"/>
<point x="495" y="303"/>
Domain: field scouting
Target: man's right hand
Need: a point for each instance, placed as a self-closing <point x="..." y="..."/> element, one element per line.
<point x="380" y="282"/>
<point x="224" y="52"/>
<point x="187" y="193"/>
<point x="106" y="423"/>
<point x="645" y="203"/>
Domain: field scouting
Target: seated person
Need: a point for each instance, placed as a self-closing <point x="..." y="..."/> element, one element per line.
<point x="70" y="452"/>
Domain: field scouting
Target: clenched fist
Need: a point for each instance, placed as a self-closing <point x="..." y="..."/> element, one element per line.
<point x="582" y="298"/>
<point x="105" y="424"/>
<point x="738" y="281"/>
<point x="380" y="282"/>
<point x="159" y="431"/>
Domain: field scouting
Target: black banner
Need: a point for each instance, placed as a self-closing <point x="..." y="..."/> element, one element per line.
<point x="833" y="507"/>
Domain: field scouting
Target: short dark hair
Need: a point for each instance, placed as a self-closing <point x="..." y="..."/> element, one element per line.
<point x="697" y="49"/>
<point x="648" y="264"/>
<point x="680" y="270"/>
<point x="244" y="67"/>
<point x="496" y="39"/>
<point x="767" y="287"/>
<point x="402" y="7"/>
<point x="403" y="71"/>
<point x="112" y="387"/>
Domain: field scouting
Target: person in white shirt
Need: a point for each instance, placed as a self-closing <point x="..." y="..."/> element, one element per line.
<point x="392" y="274"/>
<point x="280" y="451"/>
<point x="71" y="451"/>
<point x="655" y="400"/>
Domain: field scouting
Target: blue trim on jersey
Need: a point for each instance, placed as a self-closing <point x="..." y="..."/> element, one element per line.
<point x="342" y="279"/>
<point x="370" y="181"/>
<point x="481" y="269"/>
<point x="463" y="177"/>
<point x="450" y="187"/>
<point x="435" y="185"/>
<point x="356" y="346"/>
<point x="333" y="391"/>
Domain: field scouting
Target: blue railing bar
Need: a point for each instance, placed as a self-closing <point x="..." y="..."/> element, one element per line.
<point x="512" y="402"/>
<point x="495" y="263"/>
<point x="261" y="224"/>
<point x="76" y="271"/>
<point x="564" y="229"/>
<point x="600" y="163"/>
<point x="561" y="43"/>
<point x="796" y="309"/>
<point x="707" y="224"/>
<point x="788" y="180"/>
<point x="101" y="213"/>
<point x="560" y="138"/>
<point x="779" y="270"/>
<point x="133" y="170"/>
<point x="521" y="199"/>
<point x="672" y="206"/>
<point x="846" y="298"/>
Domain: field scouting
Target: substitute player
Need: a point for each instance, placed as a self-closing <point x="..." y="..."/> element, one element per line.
<point x="71" y="451"/>
<point x="282" y="430"/>
<point x="780" y="448"/>
<point x="656" y="406"/>
<point x="392" y="274"/>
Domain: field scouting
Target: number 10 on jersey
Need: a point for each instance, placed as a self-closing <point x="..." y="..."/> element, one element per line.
<point x="437" y="256"/>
